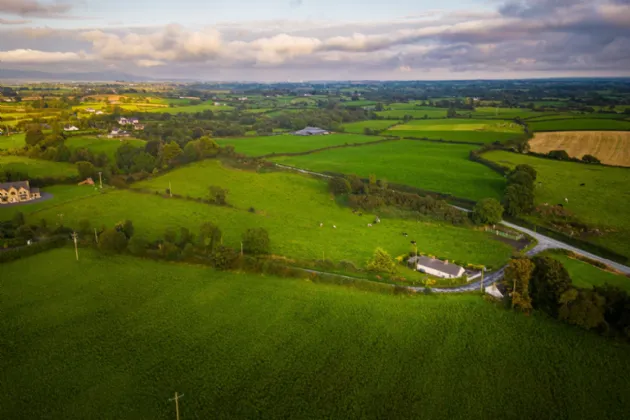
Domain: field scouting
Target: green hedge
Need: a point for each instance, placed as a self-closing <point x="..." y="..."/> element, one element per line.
<point x="26" y="251"/>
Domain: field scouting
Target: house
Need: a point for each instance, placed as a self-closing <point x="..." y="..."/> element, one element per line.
<point x="123" y="121"/>
<point x="90" y="110"/>
<point x="70" y="128"/>
<point x="242" y="98"/>
<point x="435" y="267"/>
<point x="138" y="126"/>
<point x="311" y="131"/>
<point x="99" y="112"/>
<point x="17" y="192"/>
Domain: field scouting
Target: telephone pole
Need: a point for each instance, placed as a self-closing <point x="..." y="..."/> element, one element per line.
<point x="483" y="270"/>
<point x="170" y="190"/>
<point x="100" y="179"/>
<point x="76" y="249"/>
<point x="95" y="235"/>
<point x="176" y="399"/>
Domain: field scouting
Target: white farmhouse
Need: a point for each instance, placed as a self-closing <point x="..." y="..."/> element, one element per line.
<point x="435" y="267"/>
<point x="70" y="128"/>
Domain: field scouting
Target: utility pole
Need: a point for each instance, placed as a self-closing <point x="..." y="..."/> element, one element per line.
<point x="60" y="218"/>
<point x="483" y="270"/>
<point x="100" y="178"/>
<point x="176" y="399"/>
<point x="241" y="248"/>
<point x="170" y="190"/>
<point x="76" y="249"/>
<point x="95" y="235"/>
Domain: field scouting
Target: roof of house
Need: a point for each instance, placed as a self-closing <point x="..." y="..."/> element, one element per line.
<point x="435" y="264"/>
<point x="311" y="130"/>
<point x="34" y="190"/>
<point x="17" y="185"/>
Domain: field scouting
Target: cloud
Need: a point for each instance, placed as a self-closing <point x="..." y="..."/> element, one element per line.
<point x="296" y="3"/>
<point x="34" y="8"/>
<point x="39" y="57"/>
<point x="13" y="21"/>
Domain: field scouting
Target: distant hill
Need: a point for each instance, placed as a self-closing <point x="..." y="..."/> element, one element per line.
<point x="34" y="75"/>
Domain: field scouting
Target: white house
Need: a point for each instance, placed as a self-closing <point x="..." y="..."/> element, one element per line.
<point x="123" y="121"/>
<point x="311" y="131"/>
<point x="435" y="267"/>
<point x="90" y="110"/>
<point x="99" y="112"/>
<point x="70" y="128"/>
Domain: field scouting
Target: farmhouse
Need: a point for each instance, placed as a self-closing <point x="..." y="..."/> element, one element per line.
<point x="311" y="131"/>
<point x="17" y="192"/>
<point x="99" y="112"/>
<point x="90" y="110"/>
<point x="125" y="121"/>
<point x="435" y="267"/>
<point x="117" y="132"/>
<point x="70" y="128"/>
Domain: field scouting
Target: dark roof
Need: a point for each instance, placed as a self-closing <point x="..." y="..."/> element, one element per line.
<point x="34" y="190"/>
<point x="16" y="185"/>
<point x="436" y="264"/>
<point x="311" y="130"/>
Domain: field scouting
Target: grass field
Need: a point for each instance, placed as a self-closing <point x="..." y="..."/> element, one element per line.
<point x="603" y="201"/>
<point x="586" y="276"/>
<point x="121" y="335"/>
<point x="611" y="147"/>
<point x="464" y="130"/>
<point x="101" y="145"/>
<point x="432" y="166"/>
<point x="264" y="145"/>
<point x="489" y="112"/>
<point x="588" y="124"/>
<point x="417" y="113"/>
<point x="290" y="206"/>
<point x="36" y="168"/>
<point x="191" y="108"/>
<point x="359" y="127"/>
<point x="14" y="141"/>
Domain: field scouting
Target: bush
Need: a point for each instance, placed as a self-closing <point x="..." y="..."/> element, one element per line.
<point x="256" y="241"/>
<point x="590" y="159"/>
<point x="138" y="246"/>
<point x="339" y="186"/>
<point x="112" y="241"/>
<point x="487" y="211"/>
<point x="381" y="262"/>
<point x="224" y="258"/>
<point x="36" y="248"/>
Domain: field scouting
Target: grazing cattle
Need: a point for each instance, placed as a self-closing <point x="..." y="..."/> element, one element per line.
<point x="369" y="224"/>
<point x="334" y="227"/>
<point x="566" y="199"/>
<point x="560" y="205"/>
<point x="404" y="234"/>
<point x="581" y="185"/>
<point x="321" y="224"/>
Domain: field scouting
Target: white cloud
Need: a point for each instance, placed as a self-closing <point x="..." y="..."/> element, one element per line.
<point x="39" y="57"/>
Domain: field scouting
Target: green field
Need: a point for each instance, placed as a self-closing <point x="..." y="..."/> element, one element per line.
<point x="432" y="166"/>
<point x="191" y="108"/>
<point x="416" y="113"/>
<point x="489" y="112"/>
<point x="98" y="145"/>
<point x="36" y="168"/>
<point x="463" y="130"/>
<point x="579" y="124"/>
<point x="586" y="275"/>
<point x="359" y="127"/>
<point x="603" y="201"/>
<point x="116" y="337"/>
<point x="14" y="141"/>
<point x="264" y="145"/>
<point x="290" y="206"/>
<point x="358" y="103"/>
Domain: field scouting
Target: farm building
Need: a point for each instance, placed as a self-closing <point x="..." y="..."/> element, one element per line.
<point x="70" y="128"/>
<point x="311" y="131"/>
<point x="17" y="192"/>
<point x="125" y="121"/>
<point x="90" y="110"/>
<point x="117" y="132"/>
<point x="99" y="112"/>
<point x="435" y="267"/>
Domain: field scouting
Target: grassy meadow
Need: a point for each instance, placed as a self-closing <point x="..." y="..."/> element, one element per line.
<point x="587" y="276"/>
<point x="264" y="145"/>
<point x="603" y="200"/>
<point x="610" y="147"/>
<point x="588" y="124"/>
<point x="101" y="144"/>
<point x="36" y="168"/>
<point x="432" y="166"/>
<point x="115" y="337"/>
<point x="416" y="113"/>
<point x="14" y="141"/>
<point x="191" y="108"/>
<point x="359" y="127"/>
<point x="463" y="130"/>
<point x="290" y="206"/>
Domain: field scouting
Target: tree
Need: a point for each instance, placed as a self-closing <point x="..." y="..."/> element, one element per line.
<point x="381" y="262"/>
<point x="138" y="245"/>
<point x="153" y="147"/>
<point x="143" y="161"/>
<point x="169" y="250"/>
<point x="112" y="241"/>
<point x="190" y="152"/>
<point x="34" y="136"/>
<point x="584" y="308"/>
<point x="86" y="169"/>
<point x="339" y="186"/>
<point x="18" y="219"/>
<point x="487" y="211"/>
<point x="185" y="237"/>
<point x="559" y="155"/>
<point x="126" y="227"/>
<point x="548" y="282"/>
<point x="451" y="113"/>
<point x="518" y="199"/>
<point x="528" y="169"/>
<point x="224" y="258"/>
<point x="218" y="195"/>
<point x="517" y="276"/>
<point x="206" y="147"/>
<point x="590" y="159"/>
<point x="125" y="154"/>
<point x="85" y="227"/>
<point x="521" y="178"/>
<point x="209" y="235"/>
<point x="170" y="153"/>
<point x="256" y="241"/>
<point x="170" y="235"/>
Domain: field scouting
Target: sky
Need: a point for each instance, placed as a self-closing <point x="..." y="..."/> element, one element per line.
<point x="280" y="40"/>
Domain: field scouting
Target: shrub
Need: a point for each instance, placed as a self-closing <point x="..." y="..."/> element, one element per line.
<point x="381" y="262"/>
<point x="590" y="159"/>
<point x="487" y="211"/>
<point x="256" y="241"/>
<point x="138" y="246"/>
<point x="339" y="186"/>
<point x="112" y="241"/>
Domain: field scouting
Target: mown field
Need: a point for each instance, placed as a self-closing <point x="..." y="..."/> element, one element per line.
<point x="264" y="145"/>
<point x="610" y="147"/>
<point x="587" y="276"/>
<point x="359" y="127"/>
<point x="120" y="335"/>
<point x="432" y="166"/>
<point x="603" y="200"/>
<point x="101" y="145"/>
<point x="36" y="168"/>
<point x="290" y="206"/>
<point x="14" y="141"/>
<point x="588" y="124"/>
<point x="463" y="130"/>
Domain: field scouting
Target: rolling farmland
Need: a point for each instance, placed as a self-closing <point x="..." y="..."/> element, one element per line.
<point x="461" y="130"/>
<point x="574" y="124"/>
<point x="36" y="168"/>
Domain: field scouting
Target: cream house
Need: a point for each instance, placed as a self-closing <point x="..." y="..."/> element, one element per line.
<point x="17" y="192"/>
<point x="435" y="267"/>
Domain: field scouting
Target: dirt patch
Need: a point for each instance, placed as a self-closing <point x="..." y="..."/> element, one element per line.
<point x="610" y="147"/>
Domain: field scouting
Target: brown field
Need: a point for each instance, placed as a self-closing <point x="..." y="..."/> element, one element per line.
<point x="611" y="147"/>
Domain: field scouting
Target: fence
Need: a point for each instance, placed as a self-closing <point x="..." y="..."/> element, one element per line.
<point x="505" y="234"/>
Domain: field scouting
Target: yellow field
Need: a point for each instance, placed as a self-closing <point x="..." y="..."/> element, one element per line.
<point x="611" y="147"/>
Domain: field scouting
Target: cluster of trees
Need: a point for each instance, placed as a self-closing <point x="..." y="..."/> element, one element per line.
<point x="563" y="155"/>
<point x="543" y="283"/>
<point x="519" y="194"/>
<point x="204" y="247"/>
<point x="17" y="232"/>
<point x="487" y="212"/>
<point x="375" y="194"/>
